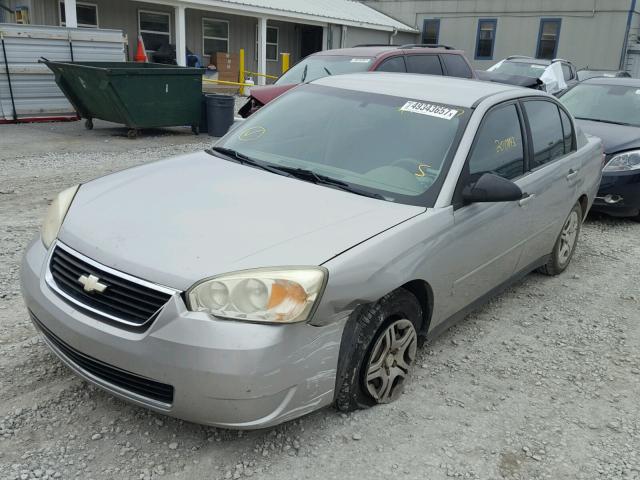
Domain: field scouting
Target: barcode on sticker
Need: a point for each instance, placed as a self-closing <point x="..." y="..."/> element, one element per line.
<point x="360" y="60"/>
<point x="429" y="109"/>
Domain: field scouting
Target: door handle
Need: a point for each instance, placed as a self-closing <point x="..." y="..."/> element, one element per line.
<point x="526" y="198"/>
<point x="572" y="174"/>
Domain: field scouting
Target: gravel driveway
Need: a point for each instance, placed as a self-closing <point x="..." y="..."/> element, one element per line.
<point x="544" y="382"/>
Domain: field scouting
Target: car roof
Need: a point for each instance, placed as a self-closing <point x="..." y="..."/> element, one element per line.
<point x="624" y="81"/>
<point x="378" y="50"/>
<point x="432" y="88"/>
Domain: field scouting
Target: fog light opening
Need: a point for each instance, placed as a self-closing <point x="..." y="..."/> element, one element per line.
<point x="611" y="199"/>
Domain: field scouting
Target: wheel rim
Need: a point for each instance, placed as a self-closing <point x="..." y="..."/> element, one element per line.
<point x="390" y="361"/>
<point x="568" y="238"/>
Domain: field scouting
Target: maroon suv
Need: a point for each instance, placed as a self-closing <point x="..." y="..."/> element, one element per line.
<point x="428" y="59"/>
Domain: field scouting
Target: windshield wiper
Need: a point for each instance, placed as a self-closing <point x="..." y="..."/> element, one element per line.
<point x="319" y="179"/>
<point x="246" y="160"/>
<point x="304" y="73"/>
<point x="606" y="121"/>
<point x="327" y="70"/>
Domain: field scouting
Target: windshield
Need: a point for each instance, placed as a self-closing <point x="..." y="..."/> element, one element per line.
<point x="519" y="68"/>
<point x="605" y="103"/>
<point x="318" y="66"/>
<point x="388" y="146"/>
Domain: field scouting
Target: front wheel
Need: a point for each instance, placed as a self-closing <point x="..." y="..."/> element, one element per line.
<point x="565" y="245"/>
<point x="379" y="352"/>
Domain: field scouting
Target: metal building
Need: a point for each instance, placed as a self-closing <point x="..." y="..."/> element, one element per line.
<point x="264" y="28"/>
<point x="599" y="34"/>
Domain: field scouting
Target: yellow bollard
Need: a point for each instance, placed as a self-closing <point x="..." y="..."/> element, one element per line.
<point x="285" y="62"/>
<point x="241" y="76"/>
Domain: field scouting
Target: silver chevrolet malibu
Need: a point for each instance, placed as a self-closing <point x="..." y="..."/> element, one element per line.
<point x="301" y="260"/>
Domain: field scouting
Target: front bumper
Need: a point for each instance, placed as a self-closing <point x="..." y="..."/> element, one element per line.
<point x="223" y="373"/>
<point x="622" y="190"/>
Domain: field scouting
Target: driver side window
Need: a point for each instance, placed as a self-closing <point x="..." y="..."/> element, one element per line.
<point x="499" y="147"/>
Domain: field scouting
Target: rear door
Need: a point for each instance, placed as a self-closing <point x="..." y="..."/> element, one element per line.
<point x="425" y="64"/>
<point x="455" y="65"/>
<point x="553" y="175"/>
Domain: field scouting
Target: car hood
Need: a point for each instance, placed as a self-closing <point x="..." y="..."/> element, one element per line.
<point x="615" y="138"/>
<point x="180" y="220"/>
<point x="267" y="93"/>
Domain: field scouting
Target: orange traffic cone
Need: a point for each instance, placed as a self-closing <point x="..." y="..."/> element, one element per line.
<point x="141" y="52"/>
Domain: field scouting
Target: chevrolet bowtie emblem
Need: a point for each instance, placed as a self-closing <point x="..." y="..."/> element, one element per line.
<point x="92" y="283"/>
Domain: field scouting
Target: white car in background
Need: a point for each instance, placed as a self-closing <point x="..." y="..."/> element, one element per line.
<point x="553" y="76"/>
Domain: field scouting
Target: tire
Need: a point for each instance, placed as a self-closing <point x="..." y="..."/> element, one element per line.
<point x="368" y="345"/>
<point x="565" y="245"/>
<point x="88" y="124"/>
<point x="195" y="129"/>
<point x="132" y="133"/>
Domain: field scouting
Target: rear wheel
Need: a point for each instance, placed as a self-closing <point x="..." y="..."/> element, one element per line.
<point x="379" y="352"/>
<point x="565" y="245"/>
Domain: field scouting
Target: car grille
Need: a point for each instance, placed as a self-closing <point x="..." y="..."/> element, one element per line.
<point x="124" y="301"/>
<point x="131" y="382"/>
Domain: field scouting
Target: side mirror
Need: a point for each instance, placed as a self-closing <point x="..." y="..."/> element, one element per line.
<point x="491" y="188"/>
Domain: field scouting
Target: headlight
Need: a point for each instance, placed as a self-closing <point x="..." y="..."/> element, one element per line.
<point x="624" y="162"/>
<point x="270" y="295"/>
<point x="55" y="215"/>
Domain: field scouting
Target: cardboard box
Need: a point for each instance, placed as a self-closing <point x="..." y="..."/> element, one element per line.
<point x="228" y="62"/>
<point x="228" y="76"/>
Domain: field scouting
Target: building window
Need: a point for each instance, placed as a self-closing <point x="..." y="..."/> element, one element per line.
<point x="548" y="38"/>
<point x="486" y="38"/>
<point x="86" y="14"/>
<point x="215" y="36"/>
<point x="272" y="43"/>
<point x="431" y="31"/>
<point x="155" y="29"/>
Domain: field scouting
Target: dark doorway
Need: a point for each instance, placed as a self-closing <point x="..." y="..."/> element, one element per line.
<point x="310" y="40"/>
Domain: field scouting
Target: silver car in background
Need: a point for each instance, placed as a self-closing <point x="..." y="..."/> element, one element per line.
<point x="301" y="260"/>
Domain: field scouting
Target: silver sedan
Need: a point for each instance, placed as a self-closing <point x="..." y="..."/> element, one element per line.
<point x="301" y="260"/>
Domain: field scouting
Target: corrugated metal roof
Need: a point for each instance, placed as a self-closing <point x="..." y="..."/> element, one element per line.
<point x="334" y="11"/>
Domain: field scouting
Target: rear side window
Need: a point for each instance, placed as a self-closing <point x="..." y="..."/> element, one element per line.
<point x="426" y="64"/>
<point x="546" y="131"/>
<point x="499" y="148"/>
<point x="567" y="131"/>
<point x="456" y="66"/>
<point x="393" y="64"/>
<point x="566" y="72"/>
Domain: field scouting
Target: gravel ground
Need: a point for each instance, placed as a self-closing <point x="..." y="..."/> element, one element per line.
<point x="544" y="382"/>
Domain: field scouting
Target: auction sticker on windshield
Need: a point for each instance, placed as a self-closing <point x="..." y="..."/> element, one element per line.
<point x="360" y="60"/>
<point x="429" y="109"/>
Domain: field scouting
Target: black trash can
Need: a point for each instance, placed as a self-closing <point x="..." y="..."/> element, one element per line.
<point x="204" y="127"/>
<point x="219" y="114"/>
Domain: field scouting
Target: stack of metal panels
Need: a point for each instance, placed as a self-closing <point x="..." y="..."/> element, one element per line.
<point x="28" y="91"/>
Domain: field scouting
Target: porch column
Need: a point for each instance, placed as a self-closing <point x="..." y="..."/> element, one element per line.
<point x="262" y="49"/>
<point x="181" y="37"/>
<point x="70" y="16"/>
<point x="325" y="37"/>
<point x="343" y="37"/>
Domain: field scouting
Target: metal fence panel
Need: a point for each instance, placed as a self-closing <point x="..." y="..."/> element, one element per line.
<point x="35" y="93"/>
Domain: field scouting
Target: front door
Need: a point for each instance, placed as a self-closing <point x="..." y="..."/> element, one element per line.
<point x="488" y="238"/>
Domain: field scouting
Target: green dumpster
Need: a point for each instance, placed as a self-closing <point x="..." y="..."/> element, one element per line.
<point x="138" y="95"/>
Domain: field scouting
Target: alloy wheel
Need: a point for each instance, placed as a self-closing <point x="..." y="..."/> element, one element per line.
<point x="390" y="361"/>
<point x="568" y="237"/>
